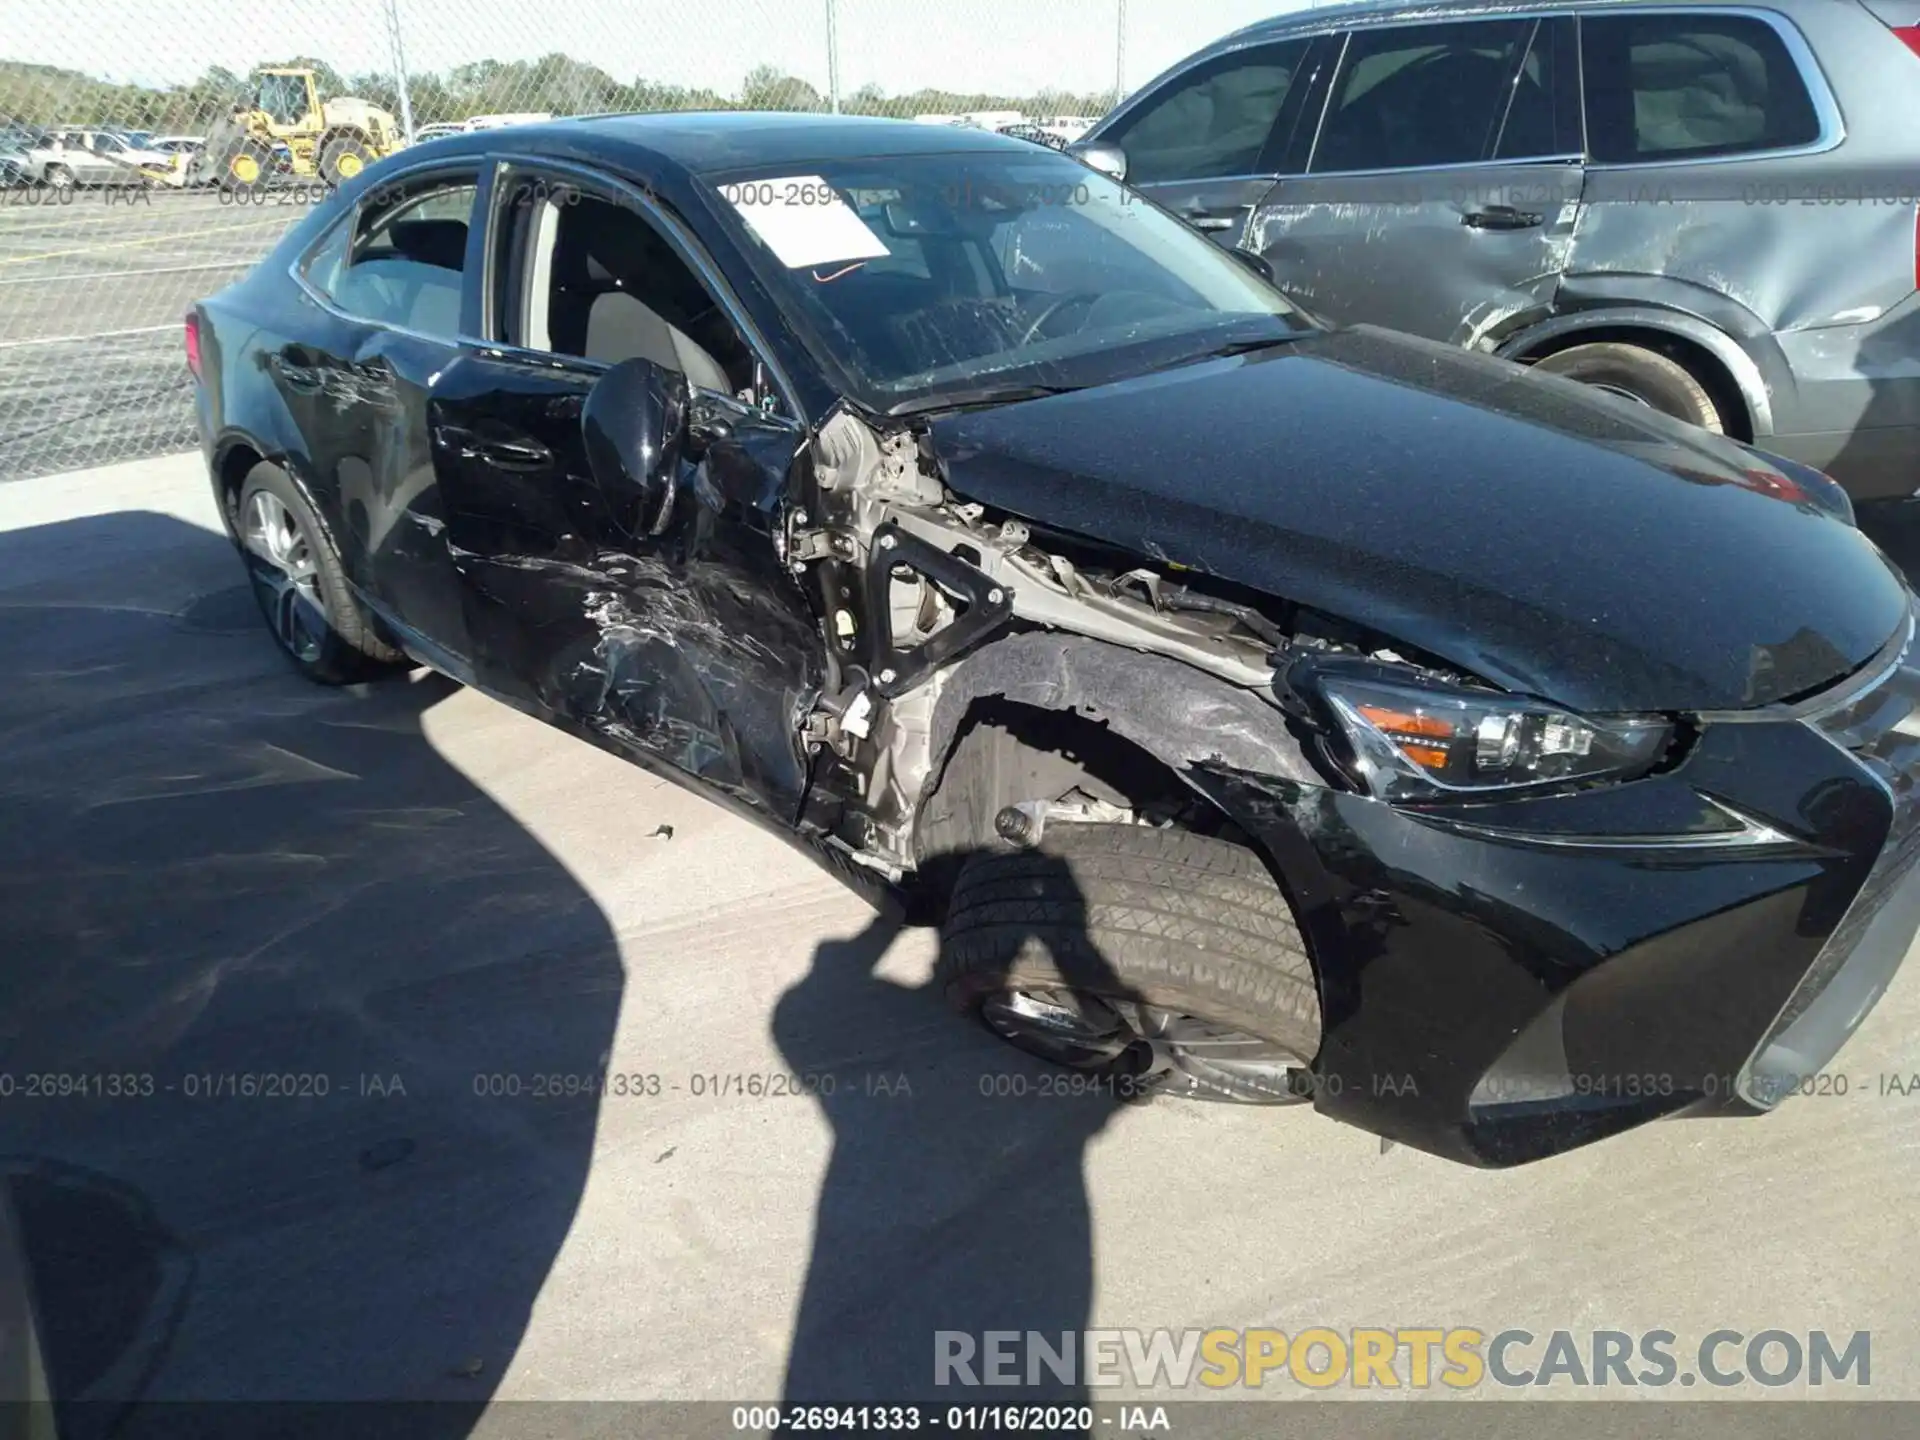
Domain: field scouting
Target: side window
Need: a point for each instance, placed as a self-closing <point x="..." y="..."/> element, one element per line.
<point x="1543" y="118"/>
<point x="284" y="98"/>
<point x="1679" y="86"/>
<point x="1412" y="95"/>
<point x="400" y="258"/>
<point x="590" y="277"/>
<point x="1214" y="120"/>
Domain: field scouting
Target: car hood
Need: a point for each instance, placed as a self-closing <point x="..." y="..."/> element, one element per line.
<point x="1550" y="539"/>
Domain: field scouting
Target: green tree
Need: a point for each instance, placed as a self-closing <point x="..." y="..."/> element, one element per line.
<point x="765" y="88"/>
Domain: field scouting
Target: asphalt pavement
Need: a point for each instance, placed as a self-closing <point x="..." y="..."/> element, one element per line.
<point x="92" y="291"/>
<point x="303" y="993"/>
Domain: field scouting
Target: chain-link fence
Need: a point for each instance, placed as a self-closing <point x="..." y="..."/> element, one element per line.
<point x="151" y="150"/>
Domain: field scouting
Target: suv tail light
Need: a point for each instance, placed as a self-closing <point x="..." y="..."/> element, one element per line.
<point x="1910" y="34"/>
<point x="193" y="342"/>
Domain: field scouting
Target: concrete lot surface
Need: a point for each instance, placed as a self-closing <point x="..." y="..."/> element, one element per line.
<point x="330" y="947"/>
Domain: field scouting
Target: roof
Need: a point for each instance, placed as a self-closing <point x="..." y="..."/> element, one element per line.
<point x="1322" y="17"/>
<point x="706" y="141"/>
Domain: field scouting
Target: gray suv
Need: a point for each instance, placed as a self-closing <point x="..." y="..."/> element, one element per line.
<point x="1707" y="208"/>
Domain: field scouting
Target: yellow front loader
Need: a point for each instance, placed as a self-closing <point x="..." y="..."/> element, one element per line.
<point x="284" y="127"/>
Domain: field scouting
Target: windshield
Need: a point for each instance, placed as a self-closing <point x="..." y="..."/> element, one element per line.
<point x="960" y="275"/>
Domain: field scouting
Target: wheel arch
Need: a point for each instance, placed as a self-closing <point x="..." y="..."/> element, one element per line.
<point x="1738" y="387"/>
<point x="1174" y="715"/>
<point x="1068" y="709"/>
<point x="236" y="456"/>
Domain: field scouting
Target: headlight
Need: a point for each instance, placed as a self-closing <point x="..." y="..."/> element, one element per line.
<point x="1414" y="739"/>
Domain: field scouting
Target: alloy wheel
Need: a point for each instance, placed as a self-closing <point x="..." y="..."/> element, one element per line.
<point x="286" y="574"/>
<point x="1154" y="1047"/>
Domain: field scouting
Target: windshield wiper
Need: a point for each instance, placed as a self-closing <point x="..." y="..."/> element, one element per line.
<point x="980" y="395"/>
<point x="1229" y="348"/>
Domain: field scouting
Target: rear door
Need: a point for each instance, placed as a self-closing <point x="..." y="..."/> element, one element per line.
<point x="682" y="642"/>
<point x="1207" y="143"/>
<point x="391" y="306"/>
<point x="1443" y="184"/>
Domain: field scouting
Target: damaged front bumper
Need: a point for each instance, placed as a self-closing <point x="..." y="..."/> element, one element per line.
<point x="1505" y="981"/>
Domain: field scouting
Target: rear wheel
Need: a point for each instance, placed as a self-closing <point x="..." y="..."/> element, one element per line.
<point x="302" y="590"/>
<point x="59" y="179"/>
<point x="344" y="157"/>
<point x="1643" y="376"/>
<point x="1157" y="961"/>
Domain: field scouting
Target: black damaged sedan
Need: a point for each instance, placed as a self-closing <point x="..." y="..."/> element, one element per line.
<point x="1267" y="712"/>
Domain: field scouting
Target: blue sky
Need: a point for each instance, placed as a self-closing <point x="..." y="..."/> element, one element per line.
<point x="901" y="45"/>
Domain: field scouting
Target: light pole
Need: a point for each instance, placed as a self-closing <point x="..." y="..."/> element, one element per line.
<point x="400" y="68"/>
<point x="833" y="59"/>
<point x="1120" y="54"/>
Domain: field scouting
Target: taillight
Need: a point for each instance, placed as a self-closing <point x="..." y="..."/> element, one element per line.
<point x="1910" y="34"/>
<point x="193" y="343"/>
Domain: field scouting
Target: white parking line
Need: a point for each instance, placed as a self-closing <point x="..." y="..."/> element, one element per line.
<point x="75" y="339"/>
<point x="122" y="274"/>
<point x="165" y="238"/>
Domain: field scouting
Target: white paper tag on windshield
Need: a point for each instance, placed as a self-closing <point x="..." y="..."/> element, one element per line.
<point x="803" y="220"/>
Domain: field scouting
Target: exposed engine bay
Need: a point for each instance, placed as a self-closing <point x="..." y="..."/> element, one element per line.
<point x="915" y="583"/>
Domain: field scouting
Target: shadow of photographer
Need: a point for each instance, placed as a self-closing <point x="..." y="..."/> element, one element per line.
<point x="289" y="990"/>
<point x="955" y="1202"/>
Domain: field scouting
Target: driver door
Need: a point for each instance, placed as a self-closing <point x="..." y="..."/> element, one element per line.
<point x="1212" y="140"/>
<point x="691" y="650"/>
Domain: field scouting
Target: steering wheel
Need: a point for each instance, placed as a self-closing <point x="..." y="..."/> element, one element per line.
<point x="1072" y="297"/>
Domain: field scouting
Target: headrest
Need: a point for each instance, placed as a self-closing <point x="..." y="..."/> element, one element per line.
<point x="431" y="242"/>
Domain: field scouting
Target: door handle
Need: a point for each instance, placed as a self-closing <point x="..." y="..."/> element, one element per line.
<point x="514" y="454"/>
<point x="1500" y="217"/>
<point x="1203" y="221"/>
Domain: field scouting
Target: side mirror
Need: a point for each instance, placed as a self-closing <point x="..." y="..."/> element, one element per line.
<point x="634" y="423"/>
<point x="1259" y="264"/>
<point x="1099" y="155"/>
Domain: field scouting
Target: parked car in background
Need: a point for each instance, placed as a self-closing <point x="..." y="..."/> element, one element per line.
<point x="1708" y="208"/>
<point x="1025" y="130"/>
<point x="441" y="128"/>
<point x="502" y="121"/>
<point x="178" y="144"/>
<point x="1068" y="128"/>
<point x="1274" y="713"/>
<point x="79" y="156"/>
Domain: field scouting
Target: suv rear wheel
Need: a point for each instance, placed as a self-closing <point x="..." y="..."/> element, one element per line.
<point x="1158" y="961"/>
<point x="1643" y="376"/>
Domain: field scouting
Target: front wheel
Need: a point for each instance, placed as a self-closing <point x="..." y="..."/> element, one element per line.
<point x="59" y="179"/>
<point x="1158" y="961"/>
<point x="301" y="587"/>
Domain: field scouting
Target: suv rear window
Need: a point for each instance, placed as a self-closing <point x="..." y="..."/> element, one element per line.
<point x="1680" y="87"/>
